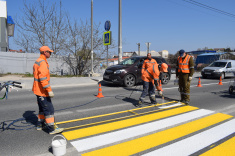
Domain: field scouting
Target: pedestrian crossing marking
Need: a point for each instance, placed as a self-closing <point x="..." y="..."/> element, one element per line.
<point x="227" y="148"/>
<point x="94" y="142"/>
<point x="198" y="142"/>
<point x="149" y="141"/>
<point x="80" y="133"/>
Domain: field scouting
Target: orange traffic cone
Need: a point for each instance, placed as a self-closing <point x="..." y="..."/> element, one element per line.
<point x="160" y="85"/>
<point x="220" y="81"/>
<point x="100" y="95"/>
<point x="199" y="83"/>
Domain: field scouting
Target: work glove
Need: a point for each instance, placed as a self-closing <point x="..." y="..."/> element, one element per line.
<point x="51" y="94"/>
<point x="160" y="93"/>
<point x="190" y="78"/>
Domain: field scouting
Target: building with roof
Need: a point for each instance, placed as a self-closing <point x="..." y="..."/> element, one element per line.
<point x="144" y="53"/>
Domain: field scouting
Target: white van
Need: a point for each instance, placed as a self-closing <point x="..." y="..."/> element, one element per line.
<point x="219" y="68"/>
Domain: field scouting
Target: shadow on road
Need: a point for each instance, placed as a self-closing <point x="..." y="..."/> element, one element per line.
<point x="30" y="117"/>
<point x="224" y="94"/>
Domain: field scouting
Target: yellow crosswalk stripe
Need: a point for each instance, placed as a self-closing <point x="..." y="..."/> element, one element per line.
<point x="75" y="134"/>
<point x="226" y="148"/>
<point x="147" y="142"/>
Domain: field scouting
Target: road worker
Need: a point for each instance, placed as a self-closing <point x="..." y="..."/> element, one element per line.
<point x="43" y="92"/>
<point x="149" y="72"/>
<point x="164" y="68"/>
<point x="184" y="71"/>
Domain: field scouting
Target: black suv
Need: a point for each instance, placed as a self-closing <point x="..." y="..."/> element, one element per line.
<point x="128" y="72"/>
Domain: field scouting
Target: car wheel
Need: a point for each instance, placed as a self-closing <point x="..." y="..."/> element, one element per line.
<point x="230" y="90"/>
<point x="129" y="80"/>
<point x="165" y="78"/>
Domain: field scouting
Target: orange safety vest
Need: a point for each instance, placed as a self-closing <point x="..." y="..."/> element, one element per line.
<point x="150" y="70"/>
<point x="184" y="65"/>
<point x="41" y="84"/>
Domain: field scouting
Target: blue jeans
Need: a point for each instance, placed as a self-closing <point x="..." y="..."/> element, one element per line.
<point x="148" y="87"/>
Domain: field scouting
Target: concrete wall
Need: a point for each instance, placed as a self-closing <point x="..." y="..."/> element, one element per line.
<point x="23" y="63"/>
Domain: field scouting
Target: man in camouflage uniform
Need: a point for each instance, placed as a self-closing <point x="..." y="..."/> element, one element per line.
<point x="184" y="71"/>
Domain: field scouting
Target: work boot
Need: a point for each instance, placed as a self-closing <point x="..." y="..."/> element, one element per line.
<point x="40" y="126"/>
<point x="140" y="103"/>
<point x="55" y="130"/>
<point x="153" y="99"/>
<point x="185" y="102"/>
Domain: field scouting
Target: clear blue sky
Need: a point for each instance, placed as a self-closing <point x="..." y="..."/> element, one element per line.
<point x="168" y="24"/>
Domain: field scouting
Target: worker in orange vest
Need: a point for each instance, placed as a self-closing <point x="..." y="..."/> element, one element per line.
<point x="150" y="72"/>
<point x="184" y="71"/>
<point x="164" y="68"/>
<point x="43" y="92"/>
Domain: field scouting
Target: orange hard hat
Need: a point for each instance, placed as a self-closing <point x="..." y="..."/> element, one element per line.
<point x="45" y="48"/>
<point x="164" y="67"/>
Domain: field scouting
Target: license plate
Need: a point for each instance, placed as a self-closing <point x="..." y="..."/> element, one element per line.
<point x="207" y="73"/>
<point x="106" y="76"/>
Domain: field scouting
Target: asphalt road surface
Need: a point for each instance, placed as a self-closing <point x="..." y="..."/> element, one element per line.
<point x="19" y="112"/>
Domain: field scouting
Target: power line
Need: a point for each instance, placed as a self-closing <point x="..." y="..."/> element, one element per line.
<point x="209" y="8"/>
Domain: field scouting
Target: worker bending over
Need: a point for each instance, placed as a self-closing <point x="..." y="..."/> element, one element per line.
<point x="150" y="75"/>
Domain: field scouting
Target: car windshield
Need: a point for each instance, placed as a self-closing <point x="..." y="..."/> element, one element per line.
<point x="218" y="64"/>
<point x="129" y="61"/>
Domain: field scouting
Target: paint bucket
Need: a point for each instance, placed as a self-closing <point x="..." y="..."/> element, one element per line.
<point x="59" y="146"/>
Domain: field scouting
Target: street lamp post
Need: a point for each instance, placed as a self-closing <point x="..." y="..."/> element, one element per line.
<point x="138" y="48"/>
<point x="148" y="44"/>
<point x="120" y="33"/>
<point x="92" y="37"/>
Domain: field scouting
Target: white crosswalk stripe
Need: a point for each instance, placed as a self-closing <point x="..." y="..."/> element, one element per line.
<point x="94" y="142"/>
<point x="202" y="129"/>
<point x="195" y="143"/>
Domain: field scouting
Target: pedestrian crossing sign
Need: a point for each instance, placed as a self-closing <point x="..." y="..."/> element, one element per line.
<point x="107" y="38"/>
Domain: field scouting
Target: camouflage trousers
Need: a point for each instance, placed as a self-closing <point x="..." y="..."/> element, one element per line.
<point x="184" y="86"/>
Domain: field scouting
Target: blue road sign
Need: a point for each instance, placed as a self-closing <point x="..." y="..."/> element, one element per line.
<point x="107" y="25"/>
<point x="107" y="38"/>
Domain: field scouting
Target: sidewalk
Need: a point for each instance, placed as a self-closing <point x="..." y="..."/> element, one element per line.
<point x="27" y="83"/>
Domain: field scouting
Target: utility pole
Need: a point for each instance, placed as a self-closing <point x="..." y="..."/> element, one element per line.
<point x="120" y="33"/>
<point x="148" y="44"/>
<point x="92" y="37"/>
<point x="138" y="48"/>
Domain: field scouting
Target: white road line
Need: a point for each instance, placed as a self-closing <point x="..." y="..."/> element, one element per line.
<point x="112" y="137"/>
<point x="63" y="113"/>
<point x="168" y="106"/>
<point x="197" y="142"/>
<point x="104" y="107"/>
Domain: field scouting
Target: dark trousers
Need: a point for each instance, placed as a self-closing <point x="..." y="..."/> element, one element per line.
<point x="46" y="111"/>
<point x="184" y="86"/>
<point x="148" y="87"/>
<point x="45" y="105"/>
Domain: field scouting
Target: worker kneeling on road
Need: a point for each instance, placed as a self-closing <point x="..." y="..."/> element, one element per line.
<point x="184" y="71"/>
<point x="150" y="75"/>
<point x="43" y="91"/>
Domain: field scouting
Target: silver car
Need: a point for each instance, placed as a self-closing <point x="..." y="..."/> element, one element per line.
<point x="219" y="68"/>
